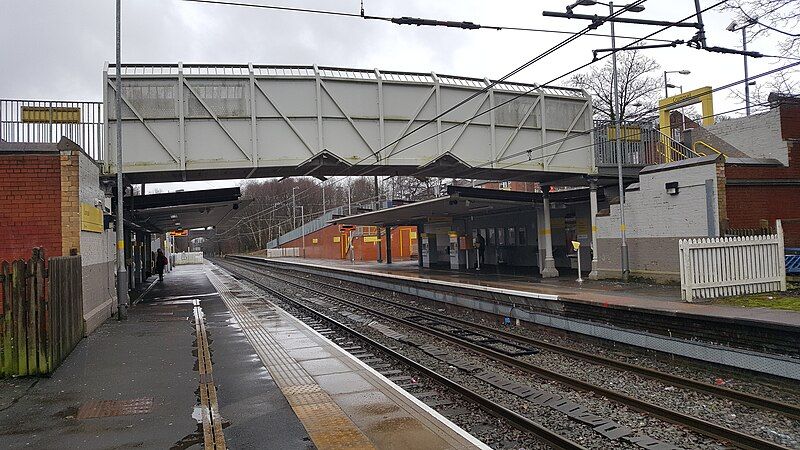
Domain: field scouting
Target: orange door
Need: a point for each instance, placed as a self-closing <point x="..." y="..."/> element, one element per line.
<point x="405" y="241"/>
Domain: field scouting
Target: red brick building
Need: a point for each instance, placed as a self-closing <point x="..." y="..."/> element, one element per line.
<point x="762" y="166"/>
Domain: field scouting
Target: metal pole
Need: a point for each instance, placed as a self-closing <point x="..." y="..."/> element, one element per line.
<point x="303" y="228"/>
<point x="377" y="207"/>
<point x="746" y="75"/>
<point x="122" y="275"/>
<point x="666" y="91"/>
<point x="349" y="202"/>
<point x="323" y="198"/>
<point x="294" y="210"/>
<point x="617" y="143"/>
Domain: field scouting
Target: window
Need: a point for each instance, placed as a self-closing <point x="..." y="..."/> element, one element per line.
<point x="511" y="236"/>
<point x="521" y="236"/>
<point x="501" y="236"/>
<point x="490" y="237"/>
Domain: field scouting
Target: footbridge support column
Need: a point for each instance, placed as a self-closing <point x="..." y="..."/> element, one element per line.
<point x="594" y="274"/>
<point x="549" y="269"/>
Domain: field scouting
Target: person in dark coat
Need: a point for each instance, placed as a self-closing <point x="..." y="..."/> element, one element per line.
<point x="480" y="242"/>
<point x="161" y="262"/>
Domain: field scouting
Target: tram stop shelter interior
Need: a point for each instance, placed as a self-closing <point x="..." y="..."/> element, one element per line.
<point x="512" y="224"/>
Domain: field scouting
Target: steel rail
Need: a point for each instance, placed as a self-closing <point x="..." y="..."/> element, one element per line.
<point x="736" y="438"/>
<point x="521" y="422"/>
<point x="787" y="409"/>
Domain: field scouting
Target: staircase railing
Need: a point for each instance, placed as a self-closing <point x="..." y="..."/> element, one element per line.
<point x="641" y="144"/>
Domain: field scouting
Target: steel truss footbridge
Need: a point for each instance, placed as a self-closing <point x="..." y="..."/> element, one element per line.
<point x="199" y="122"/>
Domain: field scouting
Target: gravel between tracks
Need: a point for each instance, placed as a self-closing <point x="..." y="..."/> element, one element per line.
<point x="765" y="424"/>
<point x="640" y="423"/>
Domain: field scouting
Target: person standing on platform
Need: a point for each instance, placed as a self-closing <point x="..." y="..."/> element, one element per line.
<point x="480" y="242"/>
<point x="161" y="262"/>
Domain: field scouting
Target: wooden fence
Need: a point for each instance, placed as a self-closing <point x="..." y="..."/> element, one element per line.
<point x="716" y="267"/>
<point x="41" y="314"/>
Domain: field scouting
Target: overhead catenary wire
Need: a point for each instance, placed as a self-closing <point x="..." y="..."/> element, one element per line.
<point x="579" y="68"/>
<point x="372" y="167"/>
<point x="403" y="20"/>
<point x="484" y="89"/>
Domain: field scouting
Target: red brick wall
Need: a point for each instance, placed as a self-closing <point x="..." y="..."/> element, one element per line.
<point x="325" y="248"/>
<point x="30" y="205"/>
<point x="748" y="204"/>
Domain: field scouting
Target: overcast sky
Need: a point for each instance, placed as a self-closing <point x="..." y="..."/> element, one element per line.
<point x="56" y="49"/>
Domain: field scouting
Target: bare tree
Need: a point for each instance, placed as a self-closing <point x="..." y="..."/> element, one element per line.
<point x="640" y="85"/>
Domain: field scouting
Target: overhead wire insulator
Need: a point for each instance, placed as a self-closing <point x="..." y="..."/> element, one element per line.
<point x="437" y="23"/>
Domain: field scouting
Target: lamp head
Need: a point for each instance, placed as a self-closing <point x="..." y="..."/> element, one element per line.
<point x="684" y="72"/>
<point x="636" y="9"/>
<point x="732" y="26"/>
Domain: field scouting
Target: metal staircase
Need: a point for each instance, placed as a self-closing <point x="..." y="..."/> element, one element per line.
<point x="642" y="144"/>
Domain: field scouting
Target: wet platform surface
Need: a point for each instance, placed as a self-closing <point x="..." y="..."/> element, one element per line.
<point x="133" y="384"/>
<point x="665" y="299"/>
<point x="342" y="402"/>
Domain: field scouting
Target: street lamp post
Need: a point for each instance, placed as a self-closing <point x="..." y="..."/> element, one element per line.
<point x="618" y="145"/>
<point x="122" y="273"/>
<point x="734" y="27"/>
<point x="616" y="115"/>
<point x="666" y="83"/>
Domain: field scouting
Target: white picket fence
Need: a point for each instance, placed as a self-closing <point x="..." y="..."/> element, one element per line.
<point x="182" y="258"/>
<point x="717" y="267"/>
<point x="288" y="252"/>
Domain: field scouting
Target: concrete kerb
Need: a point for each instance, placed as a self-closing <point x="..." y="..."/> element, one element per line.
<point x="502" y="303"/>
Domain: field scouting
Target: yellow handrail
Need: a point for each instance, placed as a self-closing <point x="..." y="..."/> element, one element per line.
<point x="705" y="144"/>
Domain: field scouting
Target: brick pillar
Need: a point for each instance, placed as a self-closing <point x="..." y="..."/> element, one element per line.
<point x="70" y="202"/>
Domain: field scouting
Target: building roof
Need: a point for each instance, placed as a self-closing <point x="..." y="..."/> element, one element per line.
<point x="459" y="202"/>
<point x="184" y="210"/>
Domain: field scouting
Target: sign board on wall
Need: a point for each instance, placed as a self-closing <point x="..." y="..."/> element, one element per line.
<point x="91" y="218"/>
<point x="337" y="239"/>
<point x="371" y="239"/>
<point x="179" y="233"/>
<point x="45" y="114"/>
<point x="315" y="241"/>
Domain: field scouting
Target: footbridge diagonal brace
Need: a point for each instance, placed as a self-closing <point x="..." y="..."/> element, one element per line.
<point x="140" y="118"/>
<point x="216" y="119"/>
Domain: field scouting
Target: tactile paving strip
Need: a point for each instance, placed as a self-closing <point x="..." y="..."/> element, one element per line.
<point x="112" y="408"/>
<point x="327" y="425"/>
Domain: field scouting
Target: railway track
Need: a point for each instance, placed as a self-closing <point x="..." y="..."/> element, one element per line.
<point x="430" y="323"/>
<point x="790" y="410"/>
<point x="322" y="322"/>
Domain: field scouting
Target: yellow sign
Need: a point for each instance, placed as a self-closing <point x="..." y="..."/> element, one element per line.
<point x="315" y="241"/>
<point x="44" y="114"/>
<point x="576" y="245"/>
<point x="701" y="95"/>
<point x="91" y="218"/>
<point x="369" y="239"/>
<point x="627" y="133"/>
<point x="337" y="239"/>
<point x="412" y="235"/>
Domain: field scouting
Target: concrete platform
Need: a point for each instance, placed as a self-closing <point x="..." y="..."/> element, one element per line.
<point x="603" y="293"/>
<point x="148" y="361"/>
<point x="342" y="402"/>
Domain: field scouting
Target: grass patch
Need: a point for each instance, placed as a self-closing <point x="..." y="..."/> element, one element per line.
<point x="789" y="300"/>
